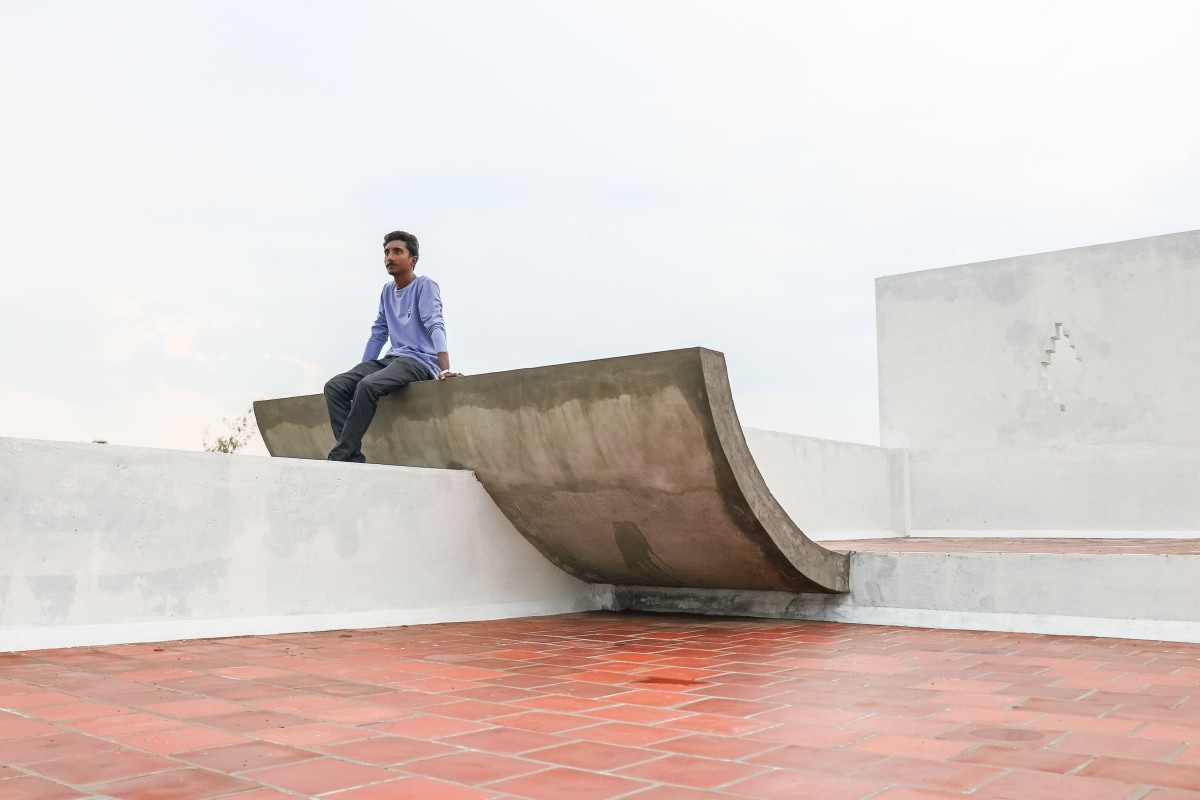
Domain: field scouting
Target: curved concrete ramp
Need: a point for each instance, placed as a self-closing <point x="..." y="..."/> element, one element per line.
<point x="629" y="471"/>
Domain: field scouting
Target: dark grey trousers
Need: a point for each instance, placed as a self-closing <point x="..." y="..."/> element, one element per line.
<point x="353" y="396"/>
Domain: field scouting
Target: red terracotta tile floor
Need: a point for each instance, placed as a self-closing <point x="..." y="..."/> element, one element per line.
<point x="598" y="706"/>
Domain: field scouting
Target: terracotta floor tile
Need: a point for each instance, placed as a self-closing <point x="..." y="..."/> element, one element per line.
<point x="475" y="709"/>
<point x="38" y="697"/>
<point x="411" y="700"/>
<point x="914" y="747"/>
<point x="1167" y="733"/>
<point x="624" y="734"/>
<point x="503" y="740"/>
<point x="251" y="721"/>
<point x="718" y="724"/>
<point x="644" y="715"/>
<point x="473" y="768"/>
<point x="491" y="693"/>
<point x="1060" y="761"/>
<point x="294" y="703"/>
<point x="785" y="785"/>
<point x="592" y="756"/>
<point x="79" y="710"/>
<point x="674" y="793"/>
<point x="692" y="771"/>
<point x="413" y="789"/>
<point x="178" y="740"/>
<point x="727" y="747"/>
<point x="945" y="776"/>
<point x="1085" y="724"/>
<point x="244" y="757"/>
<point x="808" y="735"/>
<point x="104" y="766"/>
<point x="800" y="758"/>
<point x="126" y="723"/>
<point x="1171" y="794"/>
<point x="33" y="749"/>
<point x="905" y="793"/>
<point x="1190" y="755"/>
<point x="736" y="691"/>
<point x="1151" y="773"/>
<point x="180" y="784"/>
<point x="32" y="788"/>
<point x="192" y="709"/>
<point x="1008" y="716"/>
<point x="561" y="783"/>
<point x="882" y="724"/>
<point x="356" y="714"/>
<point x="385" y="751"/>
<point x="319" y="776"/>
<point x="543" y="721"/>
<point x="563" y="703"/>
<point x="1022" y="785"/>
<point x="314" y="734"/>
<point x="430" y="727"/>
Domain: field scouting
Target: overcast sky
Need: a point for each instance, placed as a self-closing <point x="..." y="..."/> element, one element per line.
<point x="193" y="195"/>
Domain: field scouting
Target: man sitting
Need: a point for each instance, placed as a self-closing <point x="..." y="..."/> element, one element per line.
<point x="410" y="315"/>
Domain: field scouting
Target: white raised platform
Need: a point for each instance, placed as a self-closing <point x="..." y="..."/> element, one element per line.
<point x="1130" y="588"/>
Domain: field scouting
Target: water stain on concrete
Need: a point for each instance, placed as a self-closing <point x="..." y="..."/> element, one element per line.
<point x="55" y="595"/>
<point x="638" y="555"/>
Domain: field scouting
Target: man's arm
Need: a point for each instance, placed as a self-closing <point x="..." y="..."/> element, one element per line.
<point x="429" y="306"/>
<point x="379" y="333"/>
<point x="444" y="367"/>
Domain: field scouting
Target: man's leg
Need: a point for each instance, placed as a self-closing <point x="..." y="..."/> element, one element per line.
<point x="398" y="373"/>
<point x="339" y="392"/>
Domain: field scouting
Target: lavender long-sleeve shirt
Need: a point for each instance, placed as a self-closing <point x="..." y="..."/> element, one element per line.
<point x="412" y="318"/>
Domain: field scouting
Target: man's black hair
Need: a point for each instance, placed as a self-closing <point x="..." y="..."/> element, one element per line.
<point x="409" y="240"/>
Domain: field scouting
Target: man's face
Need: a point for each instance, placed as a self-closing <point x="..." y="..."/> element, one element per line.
<point x="396" y="259"/>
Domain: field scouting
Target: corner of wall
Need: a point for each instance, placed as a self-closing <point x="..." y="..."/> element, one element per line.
<point x="901" y="490"/>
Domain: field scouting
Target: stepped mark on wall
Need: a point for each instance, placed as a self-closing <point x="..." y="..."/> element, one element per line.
<point x="1061" y="359"/>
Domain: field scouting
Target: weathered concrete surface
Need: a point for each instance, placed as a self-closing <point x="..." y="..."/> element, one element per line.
<point x="627" y="471"/>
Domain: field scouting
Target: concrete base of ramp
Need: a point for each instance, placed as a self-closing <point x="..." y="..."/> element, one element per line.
<point x="628" y="471"/>
<point x="1122" y="588"/>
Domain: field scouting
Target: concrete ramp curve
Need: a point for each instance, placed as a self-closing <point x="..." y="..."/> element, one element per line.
<point x="629" y="471"/>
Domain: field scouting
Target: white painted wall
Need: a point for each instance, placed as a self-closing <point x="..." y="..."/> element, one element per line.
<point x="116" y="544"/>
<point x="834" y="490"/>
<point x="1107" y="438"/>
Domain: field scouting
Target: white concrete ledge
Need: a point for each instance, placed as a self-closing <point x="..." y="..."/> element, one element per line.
<point x="105" y="544"/>
<point x="840" y="608"/>
<point x="1114" y="595"/>
<point x="1072" y="534"/>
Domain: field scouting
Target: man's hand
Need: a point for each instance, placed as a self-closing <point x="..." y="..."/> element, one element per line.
<point x="448" y="374"/>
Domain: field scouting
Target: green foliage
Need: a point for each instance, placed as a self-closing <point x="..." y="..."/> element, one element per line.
<point x="99" y="441"/>
<point x="241" y="430"/>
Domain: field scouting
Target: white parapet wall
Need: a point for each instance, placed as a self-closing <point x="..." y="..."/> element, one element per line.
<point x="1056" y="393"/>
<point x="105" y="544"/>
<point x="834" y="490"/>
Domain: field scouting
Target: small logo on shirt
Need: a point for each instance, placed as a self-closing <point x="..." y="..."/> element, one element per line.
<point x="410" y="310"/>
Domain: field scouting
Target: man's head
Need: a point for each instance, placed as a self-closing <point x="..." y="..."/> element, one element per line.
<point x="400" y="253"/>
